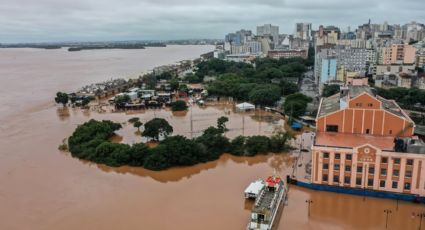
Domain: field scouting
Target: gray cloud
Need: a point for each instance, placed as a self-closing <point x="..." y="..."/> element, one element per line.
<point x="72" y="20"/>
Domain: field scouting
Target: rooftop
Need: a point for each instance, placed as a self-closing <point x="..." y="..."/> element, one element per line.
<point x="353" y="140"/>
<point x="333" y="103"/>
<point x="329" y="105"/>
<point x="355" y="91"/>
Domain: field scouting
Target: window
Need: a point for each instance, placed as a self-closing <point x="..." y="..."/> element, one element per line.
<point x="337" y="156"/>
<point x="325" y="177"/>
<point x="359" y="169"/>
<point x="391" y="132"/>
<point x="408" y="174"/>
<point x="407" y="186"/>
<point x="348" y="157"/>
<point x="348" y="168"/>
<point x="358" y="104"/>
<point x="395" y="184"/>
<point x="409" y="161"/>
<point x="382" y="184"/>
<point x="367" y="131"/>
<point x="396" y="172"/>
<point x="358" y="181"/>
<point x="326" y="155"/>
<point x="331" y="128"/>
<point x="325" y="166"/>
<point x="369" y="182"/>
<point x="397" y="161"/>
<point x="347" y="180"/>
<point x="370" y="105"/>
<point x="336" y="179"/>
<point x="336" y="166"/>
<point x="371" y="170"/>
<point x="383" y="172"/>
<point x="384" y="160"/>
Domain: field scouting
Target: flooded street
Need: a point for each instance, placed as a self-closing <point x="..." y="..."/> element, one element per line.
<point x="42" y="188"/>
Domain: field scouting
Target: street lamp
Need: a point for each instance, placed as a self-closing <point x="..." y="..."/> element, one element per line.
<point x="309" y="203"/>
<point x="420" y="215"/>
<point x="387" y="212"/>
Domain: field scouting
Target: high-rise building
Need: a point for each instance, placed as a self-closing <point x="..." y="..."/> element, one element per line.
<point x="398" y="54"/>
<point x="303" y="31"/>
<point x="328" y="70"/>
<point x="269" y="30"/>
<point x="351" y="59"/>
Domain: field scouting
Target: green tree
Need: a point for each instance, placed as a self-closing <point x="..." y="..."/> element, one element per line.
<point x="183" y="88"/>
<point x="296" y="104"/>
<point x="174" y="84"/>
<point x="157" y="127"/>
<point x="133" y="120"/>
<point x="237" y="146"/>
<point x="330" y="90"/>
<point x="179" y="105"/>
<point x="137" y="125"/>
<point x="221" y="123"/>
<point x="278" y="142"/>
<point x="257" y="144"/>
<point x="288" y="88"/>
<point x="265" y="95"/>
<point x="62" y="98"/>
<point x="121" y="100"/>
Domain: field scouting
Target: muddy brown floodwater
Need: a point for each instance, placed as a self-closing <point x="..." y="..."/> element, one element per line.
<point x="43" y="188"/>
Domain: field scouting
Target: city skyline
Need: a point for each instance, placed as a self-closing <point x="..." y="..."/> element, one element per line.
<point x="57" y="21"/>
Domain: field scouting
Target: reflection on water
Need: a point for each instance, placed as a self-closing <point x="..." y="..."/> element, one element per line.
<point x="176" y="174"/>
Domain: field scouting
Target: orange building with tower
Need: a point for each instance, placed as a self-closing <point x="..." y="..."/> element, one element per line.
<point x="366" y="141"/>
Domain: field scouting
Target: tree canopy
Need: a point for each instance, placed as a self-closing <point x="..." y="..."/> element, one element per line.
<point x="296" y="104"/>
<point x="263" y="84"/>
<point x="61" y="98"/>
<point x="179" y="105"/>
<point x="90" y="141"/>
<point x="157" y="127"/>
<point x="330" y="90"/>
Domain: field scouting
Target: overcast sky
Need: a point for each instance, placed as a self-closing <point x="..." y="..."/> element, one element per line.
<point x="91" y="20"/>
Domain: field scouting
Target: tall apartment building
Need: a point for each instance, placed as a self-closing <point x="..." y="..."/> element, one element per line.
<point x="364" y="141"/>
<point x="398" y="54"/>
<point x="303" y="31"/>
<point x="269" y="30"/>
<point x="351" y="59"/>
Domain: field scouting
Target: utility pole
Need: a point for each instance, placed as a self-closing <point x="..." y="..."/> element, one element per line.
<point x="387" y="212"/>
<point x="420" y="215"/>
<point x="309" y="201"/>
<point x="191" y="121"/>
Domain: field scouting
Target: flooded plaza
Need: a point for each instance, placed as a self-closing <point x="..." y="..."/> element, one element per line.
<point x="44" y="188"/>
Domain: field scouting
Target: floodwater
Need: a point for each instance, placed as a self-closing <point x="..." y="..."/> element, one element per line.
<point x="43" y="188"/>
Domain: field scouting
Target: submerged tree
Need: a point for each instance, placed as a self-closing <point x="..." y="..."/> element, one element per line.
<point x="157" y="127"/>
<point x="62" y="98"/>
<point x="137" y="125"/>
<point x="221" y="123"/>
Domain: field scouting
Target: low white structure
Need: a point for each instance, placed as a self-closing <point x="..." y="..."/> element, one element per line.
<point x="244" y="107"/>
<point x="254" y="189"/>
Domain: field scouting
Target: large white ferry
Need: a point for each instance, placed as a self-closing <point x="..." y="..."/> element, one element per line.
<point x="270" y="195"/>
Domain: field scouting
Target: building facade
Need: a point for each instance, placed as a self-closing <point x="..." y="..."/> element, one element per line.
<point x="302" y="53"/>
<point x="365" y="141"/>
<point x="398" y="54"/>
<point x="269" y="30"/>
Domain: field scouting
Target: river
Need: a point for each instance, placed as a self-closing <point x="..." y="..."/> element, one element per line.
<point x="43" y="188"/>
